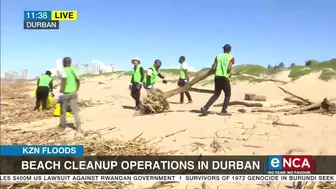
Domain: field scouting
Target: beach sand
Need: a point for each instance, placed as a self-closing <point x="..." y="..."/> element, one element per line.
<point x="240" y="134"/>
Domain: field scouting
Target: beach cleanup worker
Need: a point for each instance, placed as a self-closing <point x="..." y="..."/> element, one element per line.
<point x="184" y="79"/>
<point x="136" y="82"/>
<point x="68" y="93"/>
<point x="44" y="86"/>
<point x="222" y="67"/>
<point x="152" y="75"/>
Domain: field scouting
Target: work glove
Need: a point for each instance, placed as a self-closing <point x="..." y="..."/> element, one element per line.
<point x="164" y="81"/>
<point x="149" y="87"/>
<point x="186" y="80"/>
<point x="130" y="86"/>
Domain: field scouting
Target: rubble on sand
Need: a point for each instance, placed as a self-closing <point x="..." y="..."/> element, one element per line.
<point x="94" y="145"/>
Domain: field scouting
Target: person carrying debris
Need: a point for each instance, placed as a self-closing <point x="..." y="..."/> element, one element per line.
<point x="44" y="86"/>
<point x="136" y="82"/>
<point x="68" y="93"/>
<point x="152" y="75"/>
<point x="222" y="67"/>
<point x="184" y="79"/>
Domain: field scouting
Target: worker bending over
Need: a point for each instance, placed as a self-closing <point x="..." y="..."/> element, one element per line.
<point x="152" y="75"/>
<point x="44" y="86"/>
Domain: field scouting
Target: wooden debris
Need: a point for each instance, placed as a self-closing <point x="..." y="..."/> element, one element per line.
<point x="254" y="97"/>
<point x="242" y="103"/>
<point x="285" y="124"/>
<point x="296" y="96"/>
<point x="325" y="104"/>
<point x="296" y="101"/>
<point x="268" y="110"/>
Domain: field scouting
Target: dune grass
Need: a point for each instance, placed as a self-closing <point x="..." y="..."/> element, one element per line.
<point x="327" y="68"/>
<point x="255" y="70"/>
<point x="328" y="74"/>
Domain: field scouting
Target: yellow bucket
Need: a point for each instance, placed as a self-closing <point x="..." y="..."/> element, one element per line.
<point x="57" y="111"/>
<point x="50" y="100"/>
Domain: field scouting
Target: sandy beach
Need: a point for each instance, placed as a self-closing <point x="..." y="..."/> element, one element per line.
<point x="240" y="134"/>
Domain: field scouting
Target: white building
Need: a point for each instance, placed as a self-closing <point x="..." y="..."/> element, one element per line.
<point x="2" y="75"/>
<point x="97" y="67"/>
<point x="82" y="69"/>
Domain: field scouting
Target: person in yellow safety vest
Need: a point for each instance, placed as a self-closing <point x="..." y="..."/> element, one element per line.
<point x="152" y="75"/>
<point x="184" y="79"/>
<point x="44" y="86"/>
<point x="68" y="94"/>
<point x="136" y="82"/>
<point x="222" y="67"/>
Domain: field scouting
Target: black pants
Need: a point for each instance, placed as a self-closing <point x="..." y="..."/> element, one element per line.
<point x="41" y="96"/>
<point x="135" y="93"/>
<point x="221" y="84"/>
<point x="181" y="83"/>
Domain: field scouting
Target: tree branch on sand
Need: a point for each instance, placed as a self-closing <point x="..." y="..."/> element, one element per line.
<point x="308" y="105"/>
<point x="156" y="100"/>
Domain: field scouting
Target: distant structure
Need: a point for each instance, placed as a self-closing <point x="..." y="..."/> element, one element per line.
<point x="97" y="67"/>
<point x="24" y="74"/>
<point x="82" y="69"/>
<point x="2" y="75"/>
<point x="59" y="67"/>
<point x="11" y="75"/>
<point x="113" y="68"/>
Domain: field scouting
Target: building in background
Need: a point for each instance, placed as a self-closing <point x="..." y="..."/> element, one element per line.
<point x="11" y="75"/>
<point x="2" y="75"/>
<point x="97" y="67"/>
<point x="113" y="68"/>
<point x="82" y="69"/>
<point x="24" y="74"/>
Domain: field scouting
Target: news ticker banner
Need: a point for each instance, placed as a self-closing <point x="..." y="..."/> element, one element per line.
<point x="165" y="178"/>
<point x="47" y="19"/>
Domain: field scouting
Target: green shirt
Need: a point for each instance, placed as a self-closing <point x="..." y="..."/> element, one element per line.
<point x="182" y="68"/>
<point x="44" y="80"/>
<point x="136" y="74"/>
<point x="153" y="76"/>
<point x="223" y="61"/>
<point x="71" y="76"/>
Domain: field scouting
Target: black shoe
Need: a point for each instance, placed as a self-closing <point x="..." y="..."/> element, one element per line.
<point x="204" y="112"/>
<point x="190" y="101"/>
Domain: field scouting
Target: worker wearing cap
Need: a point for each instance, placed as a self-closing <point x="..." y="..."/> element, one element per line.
<point x="136" y="82"/>
<point x="152" y="75"/>
<point x="44" y="86"/>
<point x="68" y="93"/>
<point x="222" y="67"/>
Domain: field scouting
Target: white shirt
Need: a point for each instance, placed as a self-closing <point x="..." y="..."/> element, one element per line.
<point x="149" y="72"/>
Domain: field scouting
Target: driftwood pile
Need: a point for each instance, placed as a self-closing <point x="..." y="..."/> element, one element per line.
<point x="94" y="145"/>
<point x="303" y="105"/>
<point x="307" y="106"/>
<point x="17" y="106"/>
<point x="156" y="100"/>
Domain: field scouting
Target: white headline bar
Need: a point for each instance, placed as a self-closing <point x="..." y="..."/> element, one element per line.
<point x="188" y="178"/>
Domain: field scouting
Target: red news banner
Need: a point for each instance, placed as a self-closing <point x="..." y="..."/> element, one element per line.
<point x="290" y="165"/>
